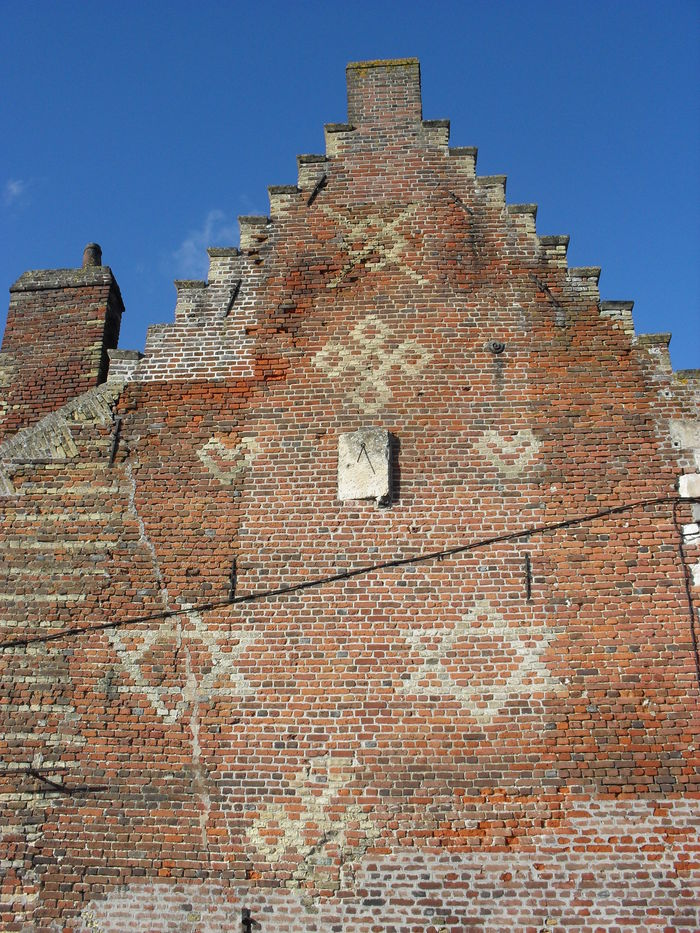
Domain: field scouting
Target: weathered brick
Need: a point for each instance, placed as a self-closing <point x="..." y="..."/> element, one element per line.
<point x="225" y="688"/>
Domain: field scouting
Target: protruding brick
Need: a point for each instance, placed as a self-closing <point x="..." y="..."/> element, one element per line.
<point x="656" y="348"/>
<point x="123" y="364"/>
<point x="584" y="282"/>
<point x="337" y="135"/>
<point x="525" y="215"/>
<point x="494" y="186"/>
<point x="225" y="264"/>
<point x="191" y="296"/>
<point x="437" y="133"/>
<point x="254" y="231"/>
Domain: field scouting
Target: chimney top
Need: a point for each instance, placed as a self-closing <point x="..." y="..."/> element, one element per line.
<point x="92" y="255"/>
<point x="385" y="91"/>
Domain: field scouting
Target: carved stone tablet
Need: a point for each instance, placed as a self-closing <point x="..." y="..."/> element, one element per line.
<point x="364" y="465"/>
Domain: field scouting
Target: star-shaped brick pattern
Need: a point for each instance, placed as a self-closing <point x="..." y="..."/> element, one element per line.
<point x="481" y="661"/>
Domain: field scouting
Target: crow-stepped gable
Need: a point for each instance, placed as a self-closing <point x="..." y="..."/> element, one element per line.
<point x="367" y="597"/>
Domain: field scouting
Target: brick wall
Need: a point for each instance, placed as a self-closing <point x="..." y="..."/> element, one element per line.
<point x="60" y="325"/>
<point x="468" y="704"/>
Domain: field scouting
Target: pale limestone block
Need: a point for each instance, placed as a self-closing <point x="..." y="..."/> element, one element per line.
<point x="364" y="465"/>
<point x="686" y="434"/>
<point x="689" y="485"/>
<point x="691" y="533"/>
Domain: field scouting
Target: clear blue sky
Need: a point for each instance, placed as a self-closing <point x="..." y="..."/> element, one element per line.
<point x="149" y="127"/>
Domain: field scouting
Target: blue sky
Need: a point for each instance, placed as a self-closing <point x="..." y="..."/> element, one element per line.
<point x="149" y="127"/>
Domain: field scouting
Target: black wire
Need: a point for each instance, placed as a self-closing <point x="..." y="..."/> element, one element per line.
<point x="688" y="585"/>
<point x="359" y="571"/>
<point x="59" y="787"/>
<point x="53" y="786"/>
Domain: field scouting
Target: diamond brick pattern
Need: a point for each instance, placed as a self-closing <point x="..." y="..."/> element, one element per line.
<point x="232" y="699"/>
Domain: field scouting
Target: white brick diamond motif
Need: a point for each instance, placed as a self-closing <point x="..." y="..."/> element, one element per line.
<point x="364" y="360"/>
<point x="308" y="821"/>
<point x="510" y="662"/>
<point x="137" y="648"/>
<point x="375" y="242"/>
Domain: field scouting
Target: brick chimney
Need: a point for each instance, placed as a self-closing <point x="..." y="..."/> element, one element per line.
<point x="60" y="325"/>
<point x="384" y="92"/>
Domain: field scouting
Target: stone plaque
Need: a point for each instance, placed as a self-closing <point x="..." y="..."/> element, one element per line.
<point x="364" y="465"/>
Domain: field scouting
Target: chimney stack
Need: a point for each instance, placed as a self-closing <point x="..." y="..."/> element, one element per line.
<point x="60" y="325"/>
<point x="92" y="255"/>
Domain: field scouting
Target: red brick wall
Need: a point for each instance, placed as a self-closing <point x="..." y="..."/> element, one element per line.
<point x="502" y="735"/>
<point x="59" y="326"/>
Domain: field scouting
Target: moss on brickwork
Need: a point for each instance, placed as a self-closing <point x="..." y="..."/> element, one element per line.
<point x="382" y="63"/>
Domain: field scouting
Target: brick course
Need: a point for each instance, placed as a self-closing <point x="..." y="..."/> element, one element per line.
<point x="226" y="689"/>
